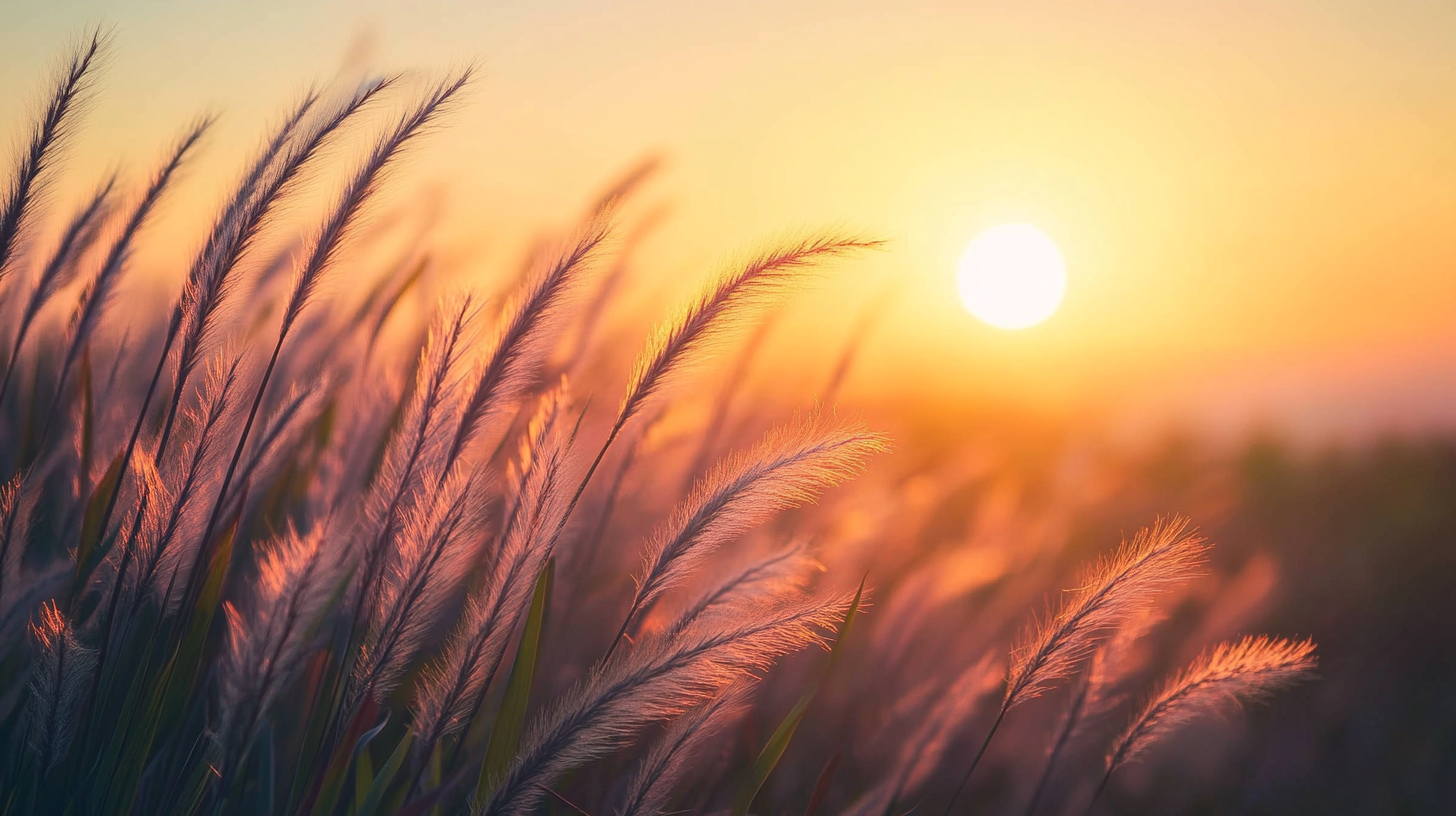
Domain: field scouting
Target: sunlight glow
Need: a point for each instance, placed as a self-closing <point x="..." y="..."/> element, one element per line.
<point x="1012" y="276"/>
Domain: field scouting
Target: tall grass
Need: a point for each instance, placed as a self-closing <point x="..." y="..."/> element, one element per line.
<point x="282" y="547"/>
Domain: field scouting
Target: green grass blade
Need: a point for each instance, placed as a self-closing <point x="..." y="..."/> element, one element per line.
<point x="170" y="697"/>
<point x="87" y="552"/>
<point x="784" y="734"/>
<point x="382" y="780"/>
<point x="505" y="737"/>
<point x="363" y="778"/>
<point x="336" y="773"/>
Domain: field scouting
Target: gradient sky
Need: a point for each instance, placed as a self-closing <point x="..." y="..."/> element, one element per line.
<point x="1256" y="199"/>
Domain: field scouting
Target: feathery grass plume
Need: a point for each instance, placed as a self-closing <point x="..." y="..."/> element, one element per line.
<point x="119" y="576"/>
<point x="210" y="425"/>
<point x="434" y="556"/>
<point x="275" y="172"/>
<point x="270" y="643"/>
<point x="1116" y="590"/>
<point x="705" y="321"/>
<point x="208" y="277"/>
<point x="1251" y="670"/>
<point x="775" y="574"/>
<point x="415" y="453"/>
<point x="651" y="786"/>
<point x="790" y="467"/>
<point x="50" y="133"/>
<point x="102" y="285"/>
<point x="1095" y="694"/>
<point x="335" y="232"/>
<point x="543" y="444"/>
<point x="322" y="254"/>
<point x="283" y="430"/>
<point x="528" y="321"/>
<point x="57" y="684"/>
<point x="17" y="506"/>
<point x="450" y="691"/>
<point x="82" y="231"/>
<point x="140" y="530"/>
<point x="658" y="681"/>
<point x="541" y="431"/>
<point x="676" y="343"/>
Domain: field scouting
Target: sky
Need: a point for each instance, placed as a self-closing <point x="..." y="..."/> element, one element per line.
<point x="1255" y="200"/>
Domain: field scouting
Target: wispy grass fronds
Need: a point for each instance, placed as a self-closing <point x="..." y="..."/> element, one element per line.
<point x="532" y="316"/>
<point x="350" y="205"/>
<point x="284" y="429"/>
<point x="210" y="424"/>
<point x="1115" y="591"/>
<point x="681" y="341"/>
<point x="414" y="455"/>
<point x="790" y="467"/>
<point x="209" y="279"/>
<point x="658" y="681"/>
<point x="543" y="433"/>
<point x="17" y="507"/>
<point x="776" y="574"/>
<point x="434" y="555"/>
<point x="63" y="266"/>
<point x="273" y="175"/>
<point x="270" y="641"/>
<point x="102" y="286"/>
<point x="677" y="344"/>
<point x="450" y="692"/>
<point x="321" y="255"/>
<point x="58" y="682"/>
<point x="1096" y="693"/>
<point x="122" y="576"/>
<point x="1251" y="670"/>
<point x="47" y="138"/>
<point x="649" y="793"/>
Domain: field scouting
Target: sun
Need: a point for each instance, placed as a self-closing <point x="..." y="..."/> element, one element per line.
<point x="1012" y="276"/>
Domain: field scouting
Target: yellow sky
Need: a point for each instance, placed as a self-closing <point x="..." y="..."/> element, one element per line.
<point x="1249" y="195"/>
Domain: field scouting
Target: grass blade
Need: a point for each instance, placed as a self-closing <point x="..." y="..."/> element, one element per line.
<point x="769" y="757"/>
<point x="87" y="556"/>
<point x="505" y="737"/>
<point x="380" y="784"/>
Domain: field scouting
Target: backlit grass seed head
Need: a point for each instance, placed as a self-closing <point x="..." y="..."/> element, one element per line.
<point x="1114" y="591"/>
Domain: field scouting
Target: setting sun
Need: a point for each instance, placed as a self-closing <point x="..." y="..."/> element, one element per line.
<point x="1012" y="276"/>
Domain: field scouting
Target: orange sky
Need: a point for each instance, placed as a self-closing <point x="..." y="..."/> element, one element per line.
<point x="1255" y="199"/>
